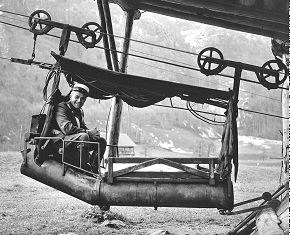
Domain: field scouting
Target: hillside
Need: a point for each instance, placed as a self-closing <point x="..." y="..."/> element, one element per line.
<point x="21" y="86"/>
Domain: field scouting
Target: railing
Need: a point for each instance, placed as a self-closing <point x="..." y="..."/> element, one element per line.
<point x="81" y="146"/>
<point x="188" y="174"/>
<point x="63" y="152"/>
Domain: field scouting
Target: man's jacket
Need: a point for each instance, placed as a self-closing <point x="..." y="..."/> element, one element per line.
<point x="67" y="120"/>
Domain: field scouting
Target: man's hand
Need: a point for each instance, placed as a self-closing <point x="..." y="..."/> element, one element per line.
<point x="94" y="134"/>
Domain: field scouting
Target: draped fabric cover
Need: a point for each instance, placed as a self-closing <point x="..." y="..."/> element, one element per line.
<point x="136" y="91"/>
<point x="229" y="150"/>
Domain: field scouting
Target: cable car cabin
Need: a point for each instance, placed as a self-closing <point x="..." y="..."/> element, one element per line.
<point x="188" y="187"/>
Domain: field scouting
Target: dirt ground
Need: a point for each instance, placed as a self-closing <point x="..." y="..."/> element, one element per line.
<point x="29" y="207"/>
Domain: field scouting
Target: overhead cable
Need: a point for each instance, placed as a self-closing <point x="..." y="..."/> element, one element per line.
<point x="202" y="80"/>
<point x="133" y="40"/>
<point x="174" y="107"/>
<point x="13" y="13"/>
<point x="245" y="110"/>
<point x="143" y="57"/>
<point x="147" y="58"/>
<point x="200" y="117"/>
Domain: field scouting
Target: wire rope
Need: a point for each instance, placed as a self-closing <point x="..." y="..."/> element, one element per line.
<point x="3" y="16"/>
<point x="200" y="117"/>
<point x="147" y="58"/>
<point x="262" y="113"/>
<point x="185" y="75"/>
<point x="117" y="36"/>
<point x="174" y="107"/>
<point x="13" y="13"/>
<point x="245" y="110"/>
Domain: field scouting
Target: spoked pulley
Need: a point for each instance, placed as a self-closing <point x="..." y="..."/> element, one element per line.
<point x="206" y="65"/>
<point x="88" y="35"/>
<point x="36" y="26"/>
<point x="272" y="82"/>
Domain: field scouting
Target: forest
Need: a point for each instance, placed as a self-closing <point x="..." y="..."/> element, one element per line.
<point x="21" y="85"/>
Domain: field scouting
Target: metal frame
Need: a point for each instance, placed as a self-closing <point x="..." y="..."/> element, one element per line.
<point x="64" y="163"/>
<point x="80" y="156"/>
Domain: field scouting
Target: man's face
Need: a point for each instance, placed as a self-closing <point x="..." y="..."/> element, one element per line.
<point x="77" y="99"/>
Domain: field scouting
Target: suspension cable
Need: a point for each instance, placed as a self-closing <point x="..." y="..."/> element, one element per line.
<point x="3" y="16"/>
<point x="202" y="80"/>
<point x="147" y="58"/>
<point x="191" y="68"/>
<point x="200" y="117"/>
<point x="245" y="110"/>
<point x="13" y="13"/>
<point x="133" y="40"/>
<point x="174" y="107"/>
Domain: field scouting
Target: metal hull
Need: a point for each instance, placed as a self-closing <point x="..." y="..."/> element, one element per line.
<point x="96" y="192"/>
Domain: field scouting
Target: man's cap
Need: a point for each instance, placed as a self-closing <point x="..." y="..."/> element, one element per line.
<point x="81" y="88"/>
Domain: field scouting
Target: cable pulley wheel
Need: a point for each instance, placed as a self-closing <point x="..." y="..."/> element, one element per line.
<point x="89" y="41"/>
<point x="203" y="61"/>
<point x="273" y="82"/>
<point x="36" y="27"/>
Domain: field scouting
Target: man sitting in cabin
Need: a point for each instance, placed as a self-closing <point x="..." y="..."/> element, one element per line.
<point x="69" y="124"/>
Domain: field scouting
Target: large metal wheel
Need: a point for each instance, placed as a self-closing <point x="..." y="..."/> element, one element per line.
<point x="203" y="61"/>
<point x="90" y="41"/>
<point x="36" y="27"/>
<point x="273" y="82"/>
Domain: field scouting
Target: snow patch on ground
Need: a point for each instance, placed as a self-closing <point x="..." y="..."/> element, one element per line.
<point x="179" y="150"/>
<point x="136" y="127"/>
<point x="166" y="145"/>
<point x="258" y="141"/>
<point x="171" y="147"/>
<point x="208" y="133"/>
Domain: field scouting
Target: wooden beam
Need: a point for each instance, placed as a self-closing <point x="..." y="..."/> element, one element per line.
<point x="125" y="5"/>
<point x="267" y="223"/>
<point x="178" y="160"/>
<point x="184" y="168"/>
<point x="108" y="19"/>
<point x="220" y="18"/>
<point x="136" y="167"/>
<point x="110" y="178"/>
<point x="285" y="125"/>
<point x="211" y="173"/>
<point x="233" y="8"/>
<point x="228" y="16"/>
<point x="129" y="19"/>
<point x="163" y="180"/>
<point x="117" y="103"/>
<point x="283" y="213"/>
<point x="105" y="36"/>
<point x="228" y="23"/>
<point x="161" y="174"/>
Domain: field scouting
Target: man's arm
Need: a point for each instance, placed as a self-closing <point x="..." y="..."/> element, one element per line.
<point x="64" y="121"/>
<point x="83" y="124"/>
